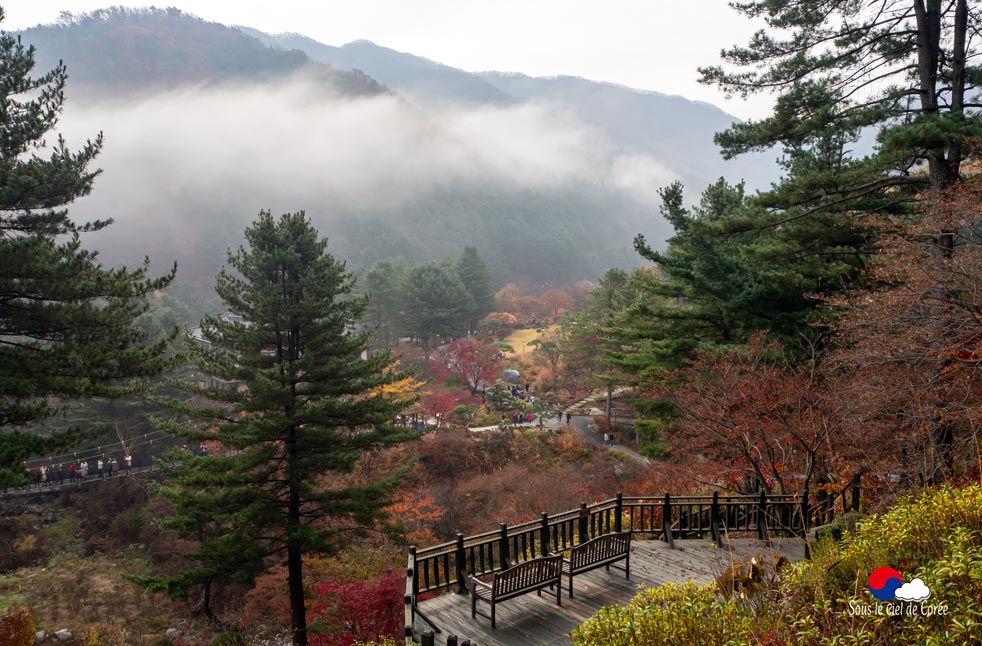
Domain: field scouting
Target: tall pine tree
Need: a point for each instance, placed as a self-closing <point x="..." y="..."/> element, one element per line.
<point x="435" y="303"/>
<point x="307" y="405"/>
<point x="905" y="67"/>
<point x="476" y="276"/>
<point x="67" y="325"/>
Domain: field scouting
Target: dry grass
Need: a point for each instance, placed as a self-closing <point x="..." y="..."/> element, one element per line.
<point x="519" y="339"/>
<point x="79" y="593"/>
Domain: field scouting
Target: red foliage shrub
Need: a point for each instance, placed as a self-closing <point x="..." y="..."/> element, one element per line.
<point x="268" y="603"/>
<point x="17" y="628"/>
<point x="347" y="611"/>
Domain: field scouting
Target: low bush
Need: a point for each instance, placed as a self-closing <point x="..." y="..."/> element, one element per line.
<point x="348" y="611"/>
<point x="936" y="537"/>
<point x="17" y="628"/>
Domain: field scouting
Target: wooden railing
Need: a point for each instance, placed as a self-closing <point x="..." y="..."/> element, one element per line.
<point x="446" y="566"/>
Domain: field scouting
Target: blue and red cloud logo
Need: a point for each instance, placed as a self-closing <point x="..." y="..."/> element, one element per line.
<point x="886" y="584"/>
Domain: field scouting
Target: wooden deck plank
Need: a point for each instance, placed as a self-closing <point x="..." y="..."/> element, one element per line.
<point x="538" y="621"/>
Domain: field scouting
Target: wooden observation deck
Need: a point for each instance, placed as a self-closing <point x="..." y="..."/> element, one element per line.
<point x="675" y="539"/>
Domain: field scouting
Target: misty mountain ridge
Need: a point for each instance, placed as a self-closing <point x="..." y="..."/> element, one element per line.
<point x="205" y="125"/>
<point x="428" y="83"/>
<point x="675" y="130"/>
<point x="124" y="51"/>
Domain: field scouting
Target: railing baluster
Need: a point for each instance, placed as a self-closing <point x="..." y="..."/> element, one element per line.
<point x="583" y="530"/>
<point x="544" y="535"/>
<point x="618" y="512"/>
<point x="460" y="558"/>
<point x="503" y="548"/>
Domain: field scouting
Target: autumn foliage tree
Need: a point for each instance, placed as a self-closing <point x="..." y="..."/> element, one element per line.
<point x="439" y="404"/>
<point x="472" y="362"/>
<point x="556" y="301"/>
<point x="349" y="611"/>
<point x="749" y="420"/>
<point x="908" y="353"/>
<point x="498" y="323"/>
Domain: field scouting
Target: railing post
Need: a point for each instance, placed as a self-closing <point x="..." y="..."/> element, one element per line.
<point x="544" y="535"/>
<point x="804" y="513"/>
<point x="410" y="598"/>
<point x="762" y="517"/>
<point x="451" y="640"/>
<point x="619" y="512"/>
<point x="666" y="520"/>
<point x="583" y="529"/>
<point x="461" y="563"/>
<point x="714" y="520"/>
<point x="503" y="549"/>
<point x="855" y="492"/>
<point x="427" y="639"/>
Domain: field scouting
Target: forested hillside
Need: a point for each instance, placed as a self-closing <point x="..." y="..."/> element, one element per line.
<point x="380" y="177"/>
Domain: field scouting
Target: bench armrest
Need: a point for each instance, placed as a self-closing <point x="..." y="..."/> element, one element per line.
<point x="473" y="583"/>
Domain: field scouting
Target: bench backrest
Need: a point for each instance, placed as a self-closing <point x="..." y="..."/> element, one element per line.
<point x="600" y="548"/>
<point x="527" y="574"/>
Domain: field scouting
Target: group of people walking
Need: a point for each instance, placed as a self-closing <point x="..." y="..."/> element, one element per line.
<point x="51" y="474"/>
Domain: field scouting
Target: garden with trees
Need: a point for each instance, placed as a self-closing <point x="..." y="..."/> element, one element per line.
<point x="789" y="342"/>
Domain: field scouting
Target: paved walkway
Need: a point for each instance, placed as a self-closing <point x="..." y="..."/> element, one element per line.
<point x="582" y="423"/>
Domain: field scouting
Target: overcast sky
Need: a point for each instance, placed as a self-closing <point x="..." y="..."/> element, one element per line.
<point x="646" y="44"/>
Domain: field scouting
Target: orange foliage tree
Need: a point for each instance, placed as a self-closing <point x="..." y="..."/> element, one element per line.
<point x="750" y="420"/>
<point x="908" y="353"/>
<point x="556" y="301"/>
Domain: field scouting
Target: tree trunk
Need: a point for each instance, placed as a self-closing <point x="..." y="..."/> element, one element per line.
<point x="206" y="600"/>
<point x="298" y="613"/>
<point x="609" y="404"/>
<point x="943" y="169"/>
<point x="294" y="551"/>
<point x="426" y="355"/>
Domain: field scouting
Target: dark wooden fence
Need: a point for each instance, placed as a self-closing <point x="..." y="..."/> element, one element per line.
<point x="446" y="566"/>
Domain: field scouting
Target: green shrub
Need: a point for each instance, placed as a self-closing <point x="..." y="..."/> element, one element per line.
<point x="64" y="536"/>
<point x="936" y="537"/>
<point x="229" y="638"/>
<point x="669" y="614"/>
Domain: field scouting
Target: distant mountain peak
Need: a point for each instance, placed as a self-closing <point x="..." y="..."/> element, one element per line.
<point x="126" y="51"/>
<point x="424" y="81"/>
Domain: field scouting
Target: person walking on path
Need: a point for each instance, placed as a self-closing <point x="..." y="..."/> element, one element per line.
<point x="568" y="418"/>
<point x="85" y="469"/>
<point x="560" y="419"/>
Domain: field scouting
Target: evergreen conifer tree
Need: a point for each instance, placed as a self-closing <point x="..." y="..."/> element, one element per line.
<point x="476" y="276"/>
<point x="435" y="303"/>
<point x="906" y="69"/>
<point x="300" y="402"/>
<point x="67" y="325"/>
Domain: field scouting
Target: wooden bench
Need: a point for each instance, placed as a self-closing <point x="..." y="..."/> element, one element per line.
<point x="536" y="574"/>
<point x="596" y="552"/>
